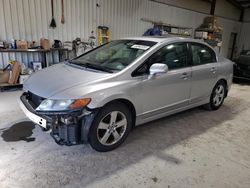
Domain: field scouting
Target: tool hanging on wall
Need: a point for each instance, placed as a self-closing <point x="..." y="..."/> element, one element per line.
<point x="53" y="22"/>
<point x="103" y="35"/>
<point x="62" y="17"/>
<point x="92" y="40"/>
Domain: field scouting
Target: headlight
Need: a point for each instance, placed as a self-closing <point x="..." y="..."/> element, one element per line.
<point x="61" y="105"/>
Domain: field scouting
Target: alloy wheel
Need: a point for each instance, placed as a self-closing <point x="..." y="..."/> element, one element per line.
<point x="219" y="94"/>
<point x="111" y="128"/>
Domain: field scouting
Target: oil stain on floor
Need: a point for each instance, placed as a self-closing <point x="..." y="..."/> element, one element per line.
<point x="19" y="131"/>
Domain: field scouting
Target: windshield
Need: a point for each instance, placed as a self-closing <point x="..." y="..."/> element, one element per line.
<point x="245" y="52"/>
<point x="113" y="56"/>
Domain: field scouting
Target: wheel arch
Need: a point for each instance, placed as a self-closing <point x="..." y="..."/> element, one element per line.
<point x="226" y="84"/>
<point x="130" y="106"/>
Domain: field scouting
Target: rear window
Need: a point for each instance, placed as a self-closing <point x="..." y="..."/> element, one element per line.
<point x="202" y="54"/>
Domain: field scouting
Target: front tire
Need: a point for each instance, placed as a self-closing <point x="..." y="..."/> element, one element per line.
<point x="217" y="96"/>
<point x="110" y="127"/>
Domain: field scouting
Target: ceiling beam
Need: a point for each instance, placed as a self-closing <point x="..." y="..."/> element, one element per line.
<point x="242" y="15"/>
<point x="213" y="5"/>
<point x="244" y="2"/>
<point x="235" y="3"/>
<point x="208" y="1"/>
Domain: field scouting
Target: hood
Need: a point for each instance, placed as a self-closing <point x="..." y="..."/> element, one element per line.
<point x="244" y="60"/>
<point x="57" y="78"/>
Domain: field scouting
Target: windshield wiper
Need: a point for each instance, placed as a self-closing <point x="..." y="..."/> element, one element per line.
<point x="77" y="63"/>
<point x="91" y="66"/>
<point x="97" y="67"/>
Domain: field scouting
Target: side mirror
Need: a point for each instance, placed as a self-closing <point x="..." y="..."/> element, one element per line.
<point x="157" y="68"/>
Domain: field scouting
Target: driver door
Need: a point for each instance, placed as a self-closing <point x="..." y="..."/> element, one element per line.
<point x="169" y="91"/>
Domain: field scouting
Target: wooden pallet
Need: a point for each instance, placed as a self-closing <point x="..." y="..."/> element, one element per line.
<point x="6" y="87"/>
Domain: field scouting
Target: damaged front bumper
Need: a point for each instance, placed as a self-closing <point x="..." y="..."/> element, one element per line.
<point x="67" y="127"/>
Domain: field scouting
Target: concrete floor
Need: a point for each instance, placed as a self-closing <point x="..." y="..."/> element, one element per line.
<point x="196" y="148"/>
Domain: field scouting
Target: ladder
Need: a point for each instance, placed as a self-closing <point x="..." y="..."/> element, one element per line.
<point x="103" y="35"/>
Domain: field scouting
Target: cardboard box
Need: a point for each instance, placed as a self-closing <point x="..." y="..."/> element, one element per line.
<point x="45" y="43"/>
<point x="21" y="44"/>
<point x="16" y="68"/>
<point x="212" y="22"/>
<point x="4" y="76"/>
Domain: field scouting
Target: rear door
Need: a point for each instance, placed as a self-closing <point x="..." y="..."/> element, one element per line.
<point x="204" y="71"/>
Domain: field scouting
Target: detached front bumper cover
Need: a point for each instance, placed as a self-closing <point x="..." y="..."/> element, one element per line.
<point x="32" y="114"/>
<point x="67" y="127"/>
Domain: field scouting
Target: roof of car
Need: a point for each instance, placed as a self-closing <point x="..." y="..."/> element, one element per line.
<point x="160" y="39"/>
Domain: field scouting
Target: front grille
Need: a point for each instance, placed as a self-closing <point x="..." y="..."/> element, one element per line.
<point x="34" y="99"/>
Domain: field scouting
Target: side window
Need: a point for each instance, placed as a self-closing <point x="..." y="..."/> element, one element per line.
<point x="173" y="55"/>
<point x="202" y="54"/>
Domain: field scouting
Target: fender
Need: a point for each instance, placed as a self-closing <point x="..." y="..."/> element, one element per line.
<point x="86" y="124"/>
<point x="106" y="99"/>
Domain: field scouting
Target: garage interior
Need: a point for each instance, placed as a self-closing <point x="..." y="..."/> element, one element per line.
<point x="194" y="148"/>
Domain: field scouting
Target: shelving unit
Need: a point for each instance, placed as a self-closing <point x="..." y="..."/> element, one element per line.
<point x="43" y="56"/>
<point x="215" y="37"/>
<point x="168" y="29"/>
<point x="175" y="30"/>
<point x="210" y="32"/>
<point x="40" y="51"/>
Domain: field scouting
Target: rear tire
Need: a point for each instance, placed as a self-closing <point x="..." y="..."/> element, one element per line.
<point x="110" y="127"/>
<point x="217" y="96"/>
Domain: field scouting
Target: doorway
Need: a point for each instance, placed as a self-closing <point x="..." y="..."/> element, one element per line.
<point x="232" y="46"/>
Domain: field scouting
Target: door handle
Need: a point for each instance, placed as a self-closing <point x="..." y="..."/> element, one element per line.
<point x="213" y="70"/>
<point x="184" y="76"/>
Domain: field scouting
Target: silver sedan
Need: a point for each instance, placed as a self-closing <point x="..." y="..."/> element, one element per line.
<point x="98" y="97"/>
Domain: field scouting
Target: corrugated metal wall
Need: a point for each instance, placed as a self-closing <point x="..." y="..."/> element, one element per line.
<point x="244" y="43"/>
<point x="30" y="19"/>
